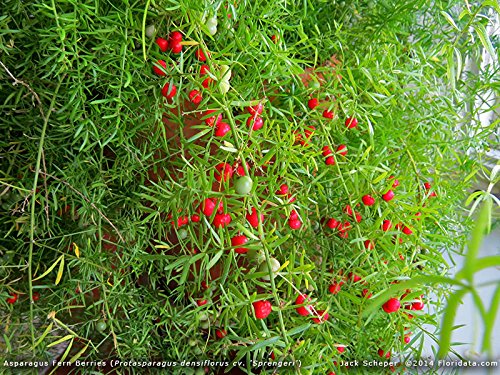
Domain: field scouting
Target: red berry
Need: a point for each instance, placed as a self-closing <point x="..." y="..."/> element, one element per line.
<point x="158" y="70"/>
<point x="204" y="69"/>
<point x="407" y="230"/>
<point x="303" y="310"/>
<point x="283" y="190"/>
<point x="175" y="47"/>
<point x="208" y="206"/>
<point x="326" y="151"/>
<point x="388" y="196"/>
<point x="201" y="302"/>
<point x="328" y="114"/>
<point x="181" y="221"/>
<point x="222" y="129"/>
<point x="220" y="333"/>
<point x="334" y="288"/>
<point x="358" y="217"/>
<point x="418" y="305"/>
<point x="238" y="241"/>
<point x="386" y="225"/>
<point x="262" y="309"/>
<point x="407" y="339"/>
<point x="341" y="349"/>
<point x="207" y="82"/>
<point x="212" y="120"/>
<point x="394" y="239"/>
<point x="294" y="224"/>
<point x="369" y="245"/>
<point x="176" y="36"/>
<point x="240" y="171"/>
<point x="36" y="296"/>
<point x="255" y="122"/>
<point x="368" y="200"/>
<point x="395" y="183"/>
<point x="392" y="305"/>
<point x="253" y="218"/>
<point x="342" y="150"/>
<point x="169" y="90"/>
<point x="427" y="186"/>
<point x="222" y="220"/>
<point x="195" y="96"/>
<point x="256" y="109"/>
<point x="195" y="218"/>
<point x="162" y="43"/>
<point x="332" y="223"/>
<point x="418" y="214"/>
<point x="366" y="293"/>
<point x="12" y="299"/>
<point x="294" y="215"/>
<point x="344" y="227"/>
<point x="200" y="55"/>
<point x="322" y="317"/>
<point x="309" y="131"/>
<point x="224" y="172"/>
<point x="330" y="160"/>
<point x="312" y="103"/>
<point x="343" y="234"/>
<point x="353" y="277"/>
<point x="399" y="226"/>
<point x="382" y="354"/>
<point x="348" y="210"/>
<point x="351" y="122"/>
<point x="220" y="206"/>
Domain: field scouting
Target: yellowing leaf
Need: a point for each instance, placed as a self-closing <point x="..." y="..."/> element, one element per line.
<point x="284" y="265"/>
<point x="162" y="247"/>
<point x="45" y="333"/>
<point x="189" y="43"/>
<point x="60" y="271"/>
<point x="77" y="250"/>
<point x="50" y="268"/>
<point x="65" y="338"/>
<point x="79" y="354"/>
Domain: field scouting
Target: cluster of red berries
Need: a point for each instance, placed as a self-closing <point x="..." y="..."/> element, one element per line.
<point x="308" y="133"/>
<point x="336" y="286"/>
<point x="169" y="90"/>
<point x="350" y="122"/>
<point x="394" y="304"/>
<point x="221" y="129"/>
<point x="368" y="200"/>
<point x="343" y="228"/>
<point x="255" y="121"/>
<point x="214" y="209"/>
<point x="318" y="317"/>
<point x="173" y="43"/>
<point x="327" y="153"/>
<point x="14" y="296"/>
